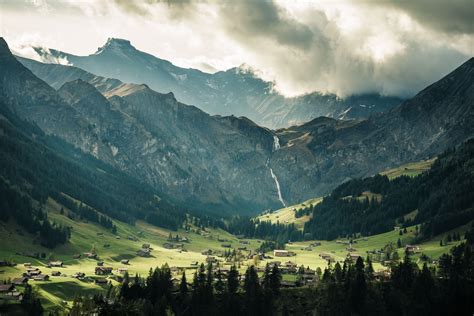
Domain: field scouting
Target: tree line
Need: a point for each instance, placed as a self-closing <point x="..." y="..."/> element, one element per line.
<point x="442" y="197"/>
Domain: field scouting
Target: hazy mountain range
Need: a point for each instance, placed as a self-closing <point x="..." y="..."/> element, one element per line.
<point x="223" y="162"/>
<point x="237" y="91"/>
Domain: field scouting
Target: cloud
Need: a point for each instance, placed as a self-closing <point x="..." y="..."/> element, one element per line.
<point x="344" y="47"/>
<point x="456" y="16"/>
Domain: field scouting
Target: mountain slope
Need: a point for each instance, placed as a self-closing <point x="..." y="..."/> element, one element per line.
<point x="237" y="91"/>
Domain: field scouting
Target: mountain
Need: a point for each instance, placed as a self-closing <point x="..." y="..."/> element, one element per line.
<point x="237" y="91"/>
<point x="225" y="163"/>
<point x="204" y="162"/>
<point x="325" y="151"/>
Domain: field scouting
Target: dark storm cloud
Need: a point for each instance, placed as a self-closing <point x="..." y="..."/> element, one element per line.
<point x="456" y="16"/>
<point x="249" y="18"/>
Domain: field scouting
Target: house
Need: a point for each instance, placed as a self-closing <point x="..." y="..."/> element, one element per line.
<point x="90" y="255"/>
<point x="412" y="249"/>
<point x="101" y="281"/>
<point x="5" y="289"/>
<point x="281" y="253"/>
<point x="315" y="244"/>
<point x="167" y="245"/>
<point x="124" y="261"/>
<point x="103" y="270"/>
<point x="79" y="275"/>
<point x="144" y="252"/>
<point x="184" y="239"/>
<point x="326" y="257"/>
<point x="207" y="252"/>
<point x="100" y="263"/>
<point x="57" y="264"/>
<point x="211" y="259"/>
<point x="353" y="256"/>
<point x="55" y="273"/>
<point x="122" y="270"/>
<point x="226" y="245"/>
<point x="20" y="281"/>
<point x="41" y="277"/>
<point x="27" y="264"/>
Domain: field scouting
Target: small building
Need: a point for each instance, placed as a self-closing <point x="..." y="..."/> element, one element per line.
<point x="101" y="281"/>
<point x="56" y="264"/>
<point x="144" y="252"/>
<point x="79" y="275"/>
<point x="211" y="259"/>
<point x="122" y="270"/>
<point x="353" y="256"/>
<point x="41" y="277"/>
<point x="280" y="253"/>
<point x="55" y="273"/>
<point x="125" y="261"/>
<point x="226" y="245"/>
<point x="100" y="263"/>
<point x="207" y="252"/>
<point x="412" y="249"/>
<point x="5" y="289"/>
<point x="20" y="281"/>
<point x="168" y="245"/>
<point x="103" y="270"/>
<point x="27" y="264"/>
<point x="90" y="255"/>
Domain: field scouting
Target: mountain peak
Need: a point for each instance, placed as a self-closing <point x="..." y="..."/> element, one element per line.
<point x="115" y="44"/>
<point x="4" y="49"/>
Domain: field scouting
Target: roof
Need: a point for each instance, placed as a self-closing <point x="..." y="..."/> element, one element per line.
<point x="6" y="287"/>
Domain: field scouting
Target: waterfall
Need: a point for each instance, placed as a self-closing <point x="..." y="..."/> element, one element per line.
<point x="277" y="184"/>
<point x="276" y="143"/>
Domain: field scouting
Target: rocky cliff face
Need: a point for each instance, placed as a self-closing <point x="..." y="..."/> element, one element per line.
<point x="237" y="91"/>
<point x="229" y="163"/>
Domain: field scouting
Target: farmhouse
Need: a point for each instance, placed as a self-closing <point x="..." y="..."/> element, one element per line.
<point x="20" y="281"/>
<point x="79" y="275"/>
<point x="5" y="289"/>
<point x="41" y="277"/>
<point x="57" y="264"/>
<point x="280" y="253"/>
<point x="103" y="270"/>
<point x="144" y="252"/>
<point x="101" y="281"/>
<point x="412" y="249"/>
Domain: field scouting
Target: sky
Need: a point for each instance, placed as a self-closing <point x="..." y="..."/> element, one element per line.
<point x="391" y="47"/>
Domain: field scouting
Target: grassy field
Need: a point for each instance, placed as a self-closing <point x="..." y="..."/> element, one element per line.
<point x="58" y="293"/>
<point x="287" y="215"/>
<point x="410" y="169"/>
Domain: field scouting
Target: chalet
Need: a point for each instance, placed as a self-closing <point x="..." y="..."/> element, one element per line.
<point x="100" y="263"/>
<point x="184" y="239"/>
<point x="103" y="270"/>
<point x="56" y="264"/>
<point x="90" y="255"/>
<point x="101" y="281"/>
<point x="33" y="272"/>
<point x="207" y="252"/>
<point x="144" y="252"/>
<point x="167" y="245"/>
<point x="20" y="281"/>
<point x="122" y="270"/>
<point x="353" y="256"/>
<point x="27" y="264"/>
<point x="41" y="277"/>
<point x="412" y="249"/>
<point x="55" y="273"/>
<point x="79" y="275"/>
<point x="280" y="253"/>
<point x="125" y="261"/>
<point x="5" y="289"/>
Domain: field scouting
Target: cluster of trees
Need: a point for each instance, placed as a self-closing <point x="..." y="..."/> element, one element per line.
<point x="443" y="197"/>
<point x="211" y="293"/>
<point x="14" y="205"/>
<point x="254" y="228"/>
<point x="44" y="166"/>
<point x="84" y="212"/>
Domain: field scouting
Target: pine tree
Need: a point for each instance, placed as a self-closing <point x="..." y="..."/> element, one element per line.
<point x="183" y="287"/>
<point x="399" y="243"/>
<point x="275" y="279"/>
<point x="219" y="285"/>
<point x="232" y="280"/>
